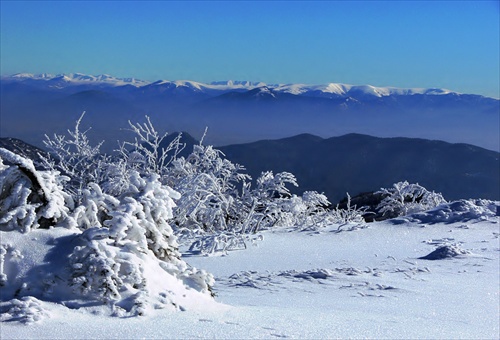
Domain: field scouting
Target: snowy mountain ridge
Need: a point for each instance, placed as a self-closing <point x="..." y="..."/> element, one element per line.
<point x="337" y="89"/>
<point x="77" y="79"/>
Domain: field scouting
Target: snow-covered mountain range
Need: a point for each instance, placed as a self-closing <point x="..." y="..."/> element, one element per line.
<point x="72" y="79"/>
<point x="241" y="111"/>
<point x="343" y="90"/>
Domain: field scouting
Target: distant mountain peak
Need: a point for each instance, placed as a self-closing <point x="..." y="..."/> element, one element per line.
<point x="77" y="79"/>
<point x="243" y="83"/>
<point x="21" y="76"/>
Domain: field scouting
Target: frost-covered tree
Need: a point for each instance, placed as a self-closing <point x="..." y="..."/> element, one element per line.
<point x="209" y="186"/>
<point x="405" y="198"/>
<point x="351" y="214"/>
<point x="269" y="201"/>
<point x="147" y="153"/>
<point x="73" y="156"/>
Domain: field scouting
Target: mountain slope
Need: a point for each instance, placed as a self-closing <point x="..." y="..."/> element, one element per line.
<point x="357" y="163"/>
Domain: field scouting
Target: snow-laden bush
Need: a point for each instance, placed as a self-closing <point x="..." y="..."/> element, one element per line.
<point x="131" y="279"/>
<point x="217" y="199"/>
<point x="216" y="194"/>
<point x="405" y="198"/>
<point x="120" y="248"/>
<point x="459" y="211"/>
<point x="134" y="222"/>
<point x="269" y="202"/>
<point x="208" y="186"/>
<point x="74" y="157"/>
<point x="352" y="214"/>
<point x="218" y="207"/>
<point x="26" y="310"/>
<point x="30" y="198"/>
<point x="147" y="154"/>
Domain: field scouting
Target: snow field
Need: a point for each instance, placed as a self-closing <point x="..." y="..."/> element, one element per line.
<point x="367" y="283"/>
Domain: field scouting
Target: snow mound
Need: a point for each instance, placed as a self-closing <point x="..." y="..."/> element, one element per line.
<point x="444" y="252"/>
<point x="458" y="211"/>
<point x="80" y="269"/>
<point x="25" y="310"/>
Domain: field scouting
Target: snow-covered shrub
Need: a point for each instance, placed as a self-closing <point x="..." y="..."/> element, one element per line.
<point x="216" y="195"/>
<point x="315" y="203"/>
<point x="88" y="269"/>
<point x="460" y="211"/>
<point x="26" y="310"/>
<point x="74" y="157"/>
<point x="351" y="214"/>
<point x="146" y="153"/>
<point x="208" y="185"/>
<point x="128" y="278"/>
<point x="218" y="205"/>
<point x="310" y="210"/>
<point x="135" y="222"/>
<point x="270" y="201"/>
<point x="30" y="198"/>
<point x="94" y="268"/>
<point x="405" y="198"/>
<point x="306" y="211"/>
<point x="142" y="214"/>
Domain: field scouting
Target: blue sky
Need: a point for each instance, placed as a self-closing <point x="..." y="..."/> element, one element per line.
<point x="453" y="45"/>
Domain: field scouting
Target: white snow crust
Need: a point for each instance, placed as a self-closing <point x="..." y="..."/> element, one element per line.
<point x="341" y="281"/>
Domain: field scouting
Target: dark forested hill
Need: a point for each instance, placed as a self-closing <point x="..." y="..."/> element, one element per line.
<point x="356" y="163"/>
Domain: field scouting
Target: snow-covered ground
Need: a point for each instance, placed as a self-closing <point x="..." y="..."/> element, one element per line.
<point x="335" y="282"/>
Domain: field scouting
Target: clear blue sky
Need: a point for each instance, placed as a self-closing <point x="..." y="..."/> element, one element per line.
<point x="453" y="45"/>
